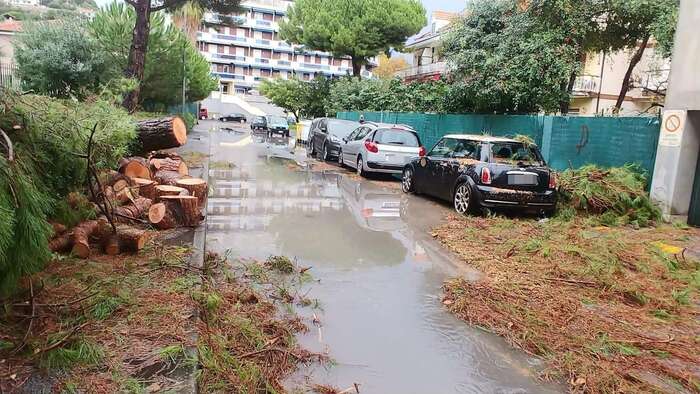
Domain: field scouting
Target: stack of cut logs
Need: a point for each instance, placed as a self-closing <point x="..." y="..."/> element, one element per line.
<point x="154" y="191"/>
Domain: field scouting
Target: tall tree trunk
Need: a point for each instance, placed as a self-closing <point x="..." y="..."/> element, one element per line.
<point x="567" y="88"/>
<point x="137" y="54"/>
<point x="357" y="66"/>
<point x="626" y="80"/>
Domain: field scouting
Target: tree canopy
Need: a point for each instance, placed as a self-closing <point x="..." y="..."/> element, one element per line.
<point x="506" y="62"/>
<point x="360" y="29"/>
<point x="162" y="80"/>
<point x="61" y="59"/>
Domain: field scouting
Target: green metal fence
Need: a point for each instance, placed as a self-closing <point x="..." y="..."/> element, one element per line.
<point x="565" y="141"/>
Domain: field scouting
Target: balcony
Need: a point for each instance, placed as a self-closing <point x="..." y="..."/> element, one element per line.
<point x="585" y="85"/>
<point x="428" y="70"/>
<point x="261" y="22"/>
<point x="229" y="76"/>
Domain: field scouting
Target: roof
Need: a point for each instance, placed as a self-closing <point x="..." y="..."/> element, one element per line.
<point x="479" y="137"/>
<point x="11" y="25"/>
<point x="342" y="121"/>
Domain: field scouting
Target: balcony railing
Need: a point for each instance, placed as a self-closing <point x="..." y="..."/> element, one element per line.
<point x="261" y="22"/>
<point x="229" y="57"/>
<point x="586" y="84"/>
<point x="428" y="69"/>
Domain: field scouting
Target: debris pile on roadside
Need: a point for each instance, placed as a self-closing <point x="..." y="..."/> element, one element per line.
<point x="617" y="193"/>
<point x="144" y="193"/>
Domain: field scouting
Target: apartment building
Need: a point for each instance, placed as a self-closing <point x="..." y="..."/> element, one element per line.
<point x="424" y="49"/>
<point x="251" y="51"/>
<point x="597" y="88"/>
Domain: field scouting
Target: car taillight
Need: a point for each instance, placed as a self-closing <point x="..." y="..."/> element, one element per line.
<point x="485" y="176"/>
<point x="371" y="146"/>
<point x="367" y="213"/>
<point x="421" y="151"/>
<point x="552" y="180"/>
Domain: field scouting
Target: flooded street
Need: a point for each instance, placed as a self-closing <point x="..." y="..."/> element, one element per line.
<point x="377" y="273"/>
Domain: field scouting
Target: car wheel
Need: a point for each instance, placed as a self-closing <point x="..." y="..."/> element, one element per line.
<point x="312" y="148"/>
<point x="360" y="167"/>
<point x="463" y="201"/>
<point x="340" y="158"/>
<point x="324" y="153"/>
<point x="407" y="181"/>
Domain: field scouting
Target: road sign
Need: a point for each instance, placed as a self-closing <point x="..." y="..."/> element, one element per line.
<point x="672" y="128"/>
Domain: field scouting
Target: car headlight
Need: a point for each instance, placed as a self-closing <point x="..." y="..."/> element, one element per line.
<point x="334" y="139"/>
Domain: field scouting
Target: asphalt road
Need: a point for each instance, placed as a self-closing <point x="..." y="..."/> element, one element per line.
<point x="378" y="272"/>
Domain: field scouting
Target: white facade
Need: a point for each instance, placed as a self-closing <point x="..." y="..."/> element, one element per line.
<point x="244" y="55"/>
<point x="33" y="3"/>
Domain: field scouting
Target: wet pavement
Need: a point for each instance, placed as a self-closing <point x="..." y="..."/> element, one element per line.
<point x="377" y="272"/>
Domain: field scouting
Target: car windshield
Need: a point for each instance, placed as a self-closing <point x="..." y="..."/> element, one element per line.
<point x="341" y="129"/>
<point x="396" y="137"/>
<point x="515" y="153"/>
<point x="277" y="121"/>
<point x="259" y="119"/>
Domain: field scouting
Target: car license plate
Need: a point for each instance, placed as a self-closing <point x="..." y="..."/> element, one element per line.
<point x="525" y="179"/>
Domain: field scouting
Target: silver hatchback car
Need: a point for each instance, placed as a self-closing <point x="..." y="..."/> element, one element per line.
<point x="378" y="147"/>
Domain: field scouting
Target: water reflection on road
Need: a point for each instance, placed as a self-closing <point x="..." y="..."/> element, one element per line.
<point x="379" y="273"/>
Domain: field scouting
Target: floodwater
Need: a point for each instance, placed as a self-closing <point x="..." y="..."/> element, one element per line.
<point x="378" y="274"/>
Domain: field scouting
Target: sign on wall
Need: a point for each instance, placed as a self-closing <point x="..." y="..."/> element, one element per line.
<point x="672" y="127"/>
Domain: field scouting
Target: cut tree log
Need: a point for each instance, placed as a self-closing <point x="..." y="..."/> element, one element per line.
<point x="168" y="177"/>
<point x="135" y="167"/>
<point x="184" y="209"/>
<point x="80" y="238"/>
<point x="197" y="187"/>
<point x="61" y="243"/>
<point x="57" y="228"/>
<point x="132" y="239"/>
<point x="174" y="163"/>
<point x="133" y="211"/>
<point x="162" y="218"/>
<point x="164" y="133"/>
<point x="147" y="187"/>
<point x="169" y="190"/>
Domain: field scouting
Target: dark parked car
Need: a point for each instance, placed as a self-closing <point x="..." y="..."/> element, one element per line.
<point x="259" y="123"/>
<point x="277" y="124"/>
<point x="475" y="172"/>
<point x="326" y="136"/>
<point x="236" y="117"/>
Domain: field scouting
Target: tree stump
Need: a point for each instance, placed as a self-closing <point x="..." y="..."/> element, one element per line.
<point x="132" y="239"/>
<point x="147" y="187"/>
<point x="135" y="167"/>
<point x="169" y="190"/>
<point x="164" y="133"/>
<point x="184" y="208"/>
<point x="197" y="187"/>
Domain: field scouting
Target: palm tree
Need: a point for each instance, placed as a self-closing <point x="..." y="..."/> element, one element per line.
<point x="187" y="18"/>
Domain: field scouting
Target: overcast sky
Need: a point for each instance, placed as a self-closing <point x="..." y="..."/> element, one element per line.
<point x="444" y="5"/>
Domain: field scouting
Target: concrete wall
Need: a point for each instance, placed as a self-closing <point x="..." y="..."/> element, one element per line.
<point x="674" y="170"/>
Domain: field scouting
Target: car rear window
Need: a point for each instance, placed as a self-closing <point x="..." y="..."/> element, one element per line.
<point x="396" y="137"/>
<point x="514" y="153"/>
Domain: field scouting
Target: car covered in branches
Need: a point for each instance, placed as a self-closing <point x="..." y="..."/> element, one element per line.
<point x="477" y="171"/>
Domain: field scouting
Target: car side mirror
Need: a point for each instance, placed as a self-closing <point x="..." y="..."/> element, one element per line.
<point x="345" y="140"/>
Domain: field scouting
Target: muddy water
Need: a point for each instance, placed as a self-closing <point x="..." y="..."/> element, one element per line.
<point x="378" y="274"/>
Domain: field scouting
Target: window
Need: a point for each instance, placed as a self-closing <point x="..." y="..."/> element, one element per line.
<point x="266" y="54"/>
<point x="515" y="152"/>
<point x="352" y="135"/>
<point x="396" y="137"/>
<point x="362" y="133"/>
<point x="275" y="55"/>
<point x="457" y="148"/>
<point x="318" y="59"/>
<point x="224" y="88"/>
<point x="307" y="58"/>
<point x="265" y="73"/>
<point x="268" y="17"/>
<point x="267" y="35"/>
